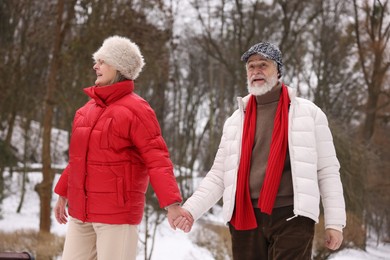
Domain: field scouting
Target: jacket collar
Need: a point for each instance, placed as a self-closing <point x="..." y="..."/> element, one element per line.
<point x="104" y="96"/>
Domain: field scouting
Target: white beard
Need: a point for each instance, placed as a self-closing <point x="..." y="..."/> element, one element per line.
<point x="261" y="90"/>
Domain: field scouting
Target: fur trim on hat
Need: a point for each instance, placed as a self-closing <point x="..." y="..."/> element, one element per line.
<point x="122" y="54"/>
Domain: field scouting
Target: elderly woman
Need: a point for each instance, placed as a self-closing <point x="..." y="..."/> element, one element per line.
<point x="115" y="148"/>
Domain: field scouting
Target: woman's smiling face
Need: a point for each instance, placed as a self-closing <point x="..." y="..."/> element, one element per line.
<point x="105" y="74"/>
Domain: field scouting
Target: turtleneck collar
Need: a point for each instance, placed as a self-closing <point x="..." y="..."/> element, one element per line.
<point x="104" y="96"/>
<point x="271" y="96"/>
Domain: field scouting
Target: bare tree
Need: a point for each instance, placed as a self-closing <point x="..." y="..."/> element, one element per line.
<point x="26" y="147"/>
<point x="329" y="75"/>
<point x="372" y="30"/>
<point x="372" y="33"/>
<point x="16" y="72"/>
<point x="44" y="188"/>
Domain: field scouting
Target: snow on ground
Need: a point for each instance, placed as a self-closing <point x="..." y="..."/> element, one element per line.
<point x="373" y="252"/>
<point x="170" y="244"/>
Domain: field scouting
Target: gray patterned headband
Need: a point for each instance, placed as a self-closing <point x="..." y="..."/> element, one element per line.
<point x="269" y="51"/>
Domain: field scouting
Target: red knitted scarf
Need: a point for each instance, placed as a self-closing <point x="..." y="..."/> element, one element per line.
<point x="243" y="217"/>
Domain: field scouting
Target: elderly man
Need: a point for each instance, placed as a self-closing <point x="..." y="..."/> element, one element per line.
<point x="275" y="161"/>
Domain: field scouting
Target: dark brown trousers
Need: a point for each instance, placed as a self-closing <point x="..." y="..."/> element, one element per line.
<point x="274" y="238"/>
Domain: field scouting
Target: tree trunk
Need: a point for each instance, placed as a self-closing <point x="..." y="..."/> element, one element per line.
<point x="371" y="111"/>
<point x="44" y="188"/>
<point x="372" y="38"/>
<point x="26" y="127"/>
<point x="7" y="153"/>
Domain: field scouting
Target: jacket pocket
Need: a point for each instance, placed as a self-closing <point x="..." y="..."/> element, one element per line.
<point x="104" y="139"/>
<point x="105" y="187"/>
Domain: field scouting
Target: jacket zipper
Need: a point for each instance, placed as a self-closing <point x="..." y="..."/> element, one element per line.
<point x="86" y="158"/>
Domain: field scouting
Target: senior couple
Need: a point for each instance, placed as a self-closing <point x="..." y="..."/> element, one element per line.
<point x="275" y="161"/>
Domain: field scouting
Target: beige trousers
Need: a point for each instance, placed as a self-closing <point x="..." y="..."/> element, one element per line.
<point x="97" y="241"/>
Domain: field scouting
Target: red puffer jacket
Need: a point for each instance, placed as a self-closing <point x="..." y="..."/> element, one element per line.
<point x="116" y="146"/>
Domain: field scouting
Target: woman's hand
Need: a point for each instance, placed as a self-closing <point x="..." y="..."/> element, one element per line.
<point x="60" y="210"/>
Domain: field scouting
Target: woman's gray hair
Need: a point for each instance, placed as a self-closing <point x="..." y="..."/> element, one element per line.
<point x="118" y="77"/>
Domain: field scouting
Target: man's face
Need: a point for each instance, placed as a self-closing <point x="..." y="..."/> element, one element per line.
<point x="261" y="73"/>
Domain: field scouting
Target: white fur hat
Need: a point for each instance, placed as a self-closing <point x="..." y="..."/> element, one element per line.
<point x="122" y="54"/>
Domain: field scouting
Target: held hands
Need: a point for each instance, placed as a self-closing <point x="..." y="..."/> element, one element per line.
<point x="180" y="218"/>
<point x="60" y="210"/>
<point x="333" y="238"/>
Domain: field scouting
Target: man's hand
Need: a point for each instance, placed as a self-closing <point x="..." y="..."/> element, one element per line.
<point x="60" y="210"/>
<point x="179" y="217"/>
<point x="333" y="238"/>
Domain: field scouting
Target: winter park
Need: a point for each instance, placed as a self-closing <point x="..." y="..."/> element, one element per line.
<point x="188" y="130"/>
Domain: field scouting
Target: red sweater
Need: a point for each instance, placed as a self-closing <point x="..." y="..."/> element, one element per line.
<point x="115" y="147"/>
